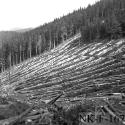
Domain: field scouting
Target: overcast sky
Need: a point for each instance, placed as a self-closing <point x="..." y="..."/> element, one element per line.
<point x="32" y="13"/>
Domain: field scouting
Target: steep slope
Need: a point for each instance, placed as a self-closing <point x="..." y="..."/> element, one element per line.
<point x="79" y="71"/>
<point x="102" y="20"/>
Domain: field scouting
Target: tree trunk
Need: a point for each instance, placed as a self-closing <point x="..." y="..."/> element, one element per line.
<point x="54" y="43"/>
<point x="20" y="53"/>
<point x="16" y="60"/>
<point x="10" y="64"/>
<point x="30" y="48"/>
<point x="36" y="50"/>
<point x="50" y="44"/>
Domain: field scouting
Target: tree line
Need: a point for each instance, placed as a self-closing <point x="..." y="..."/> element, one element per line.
<point x="103" y="20"/>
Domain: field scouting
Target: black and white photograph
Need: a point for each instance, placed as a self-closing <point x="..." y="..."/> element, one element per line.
<point x="62" y="62"/>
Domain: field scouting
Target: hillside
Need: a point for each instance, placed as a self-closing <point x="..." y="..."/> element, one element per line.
<point x="65" y="71"/>
<point x="71" y="68"/>
<point x="20" y="30"/>
<point x="103" y="20"/>
<point x="83" y="72"/>
<point x="7" y="35"/>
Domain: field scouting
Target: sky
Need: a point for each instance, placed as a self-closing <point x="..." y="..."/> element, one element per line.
<point x="22" y="14"/>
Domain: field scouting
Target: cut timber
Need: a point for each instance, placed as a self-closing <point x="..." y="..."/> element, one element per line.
<point x="90" y="69"/>
<point x="16" y="119"/>
<point x="13" y="109"/>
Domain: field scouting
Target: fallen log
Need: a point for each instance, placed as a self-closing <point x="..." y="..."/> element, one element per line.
<point x="31" y="115"/>
<point x="16" y="119"/>
<point x="51" y="102"/>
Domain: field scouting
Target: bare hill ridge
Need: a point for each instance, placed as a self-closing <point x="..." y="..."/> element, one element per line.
<point x="79" y="71"/>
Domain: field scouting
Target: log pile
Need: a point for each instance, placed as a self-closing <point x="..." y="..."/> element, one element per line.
<point x="31" y="113"/>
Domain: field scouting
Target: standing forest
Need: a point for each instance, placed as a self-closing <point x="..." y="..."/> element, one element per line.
<point x="103" y="20"/>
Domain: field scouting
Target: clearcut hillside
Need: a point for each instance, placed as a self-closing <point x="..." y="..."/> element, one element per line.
<point x="79" y="71"/>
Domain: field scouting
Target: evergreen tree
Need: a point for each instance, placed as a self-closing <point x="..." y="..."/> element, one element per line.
<point x="114" y="28"/>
